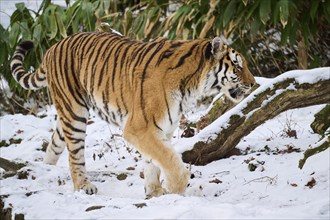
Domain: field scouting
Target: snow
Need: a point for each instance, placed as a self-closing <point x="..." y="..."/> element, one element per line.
<point x="223" y="189"/>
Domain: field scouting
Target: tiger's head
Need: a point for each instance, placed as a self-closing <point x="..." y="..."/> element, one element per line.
<point x="231" y="74"/>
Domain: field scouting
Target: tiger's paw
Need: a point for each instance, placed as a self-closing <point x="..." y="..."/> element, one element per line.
<point x="88" y="188"/>
<point x="155" y="192"/>
<point x="177" y="182"/>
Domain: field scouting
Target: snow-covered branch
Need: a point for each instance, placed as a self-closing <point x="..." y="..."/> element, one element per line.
<point x="293" y="89"/>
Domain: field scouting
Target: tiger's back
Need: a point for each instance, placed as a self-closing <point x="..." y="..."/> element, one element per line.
<point x="142" y="87"/>
<point x="112" y="72"/>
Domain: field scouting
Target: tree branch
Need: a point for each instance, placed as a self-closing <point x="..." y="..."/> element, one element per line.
<point x="10" y="166"/>
<point x="319" y="147"/>
<point x="294" y="89"/>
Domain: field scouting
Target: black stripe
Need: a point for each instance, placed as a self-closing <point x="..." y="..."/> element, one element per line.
<point x="74" y="129"/>
<point x="122" y="96"/>
<point x="20" y="74"/>
<point x="105" y="97"/>
<point x="71" y="57"/>
<point x="118" y="106"/>
<point x="107" y="59"/>
<point x="167" y="107"/>
<point x="123" y="71"/>
<point x="156" y="125"/>
<point x="208" y="51"/>
<point x="56" y="153"/>
<point x="72" y="86"/>
<point x="142" y="102"/>
<point x="118" y="50"/>
<point x="217" y="73"/>
<point x="84" y="44"/>
<point x="33" y="81"/>
<point x="139" y="48"/>
<point x="97" y="61"/>
<point x="40" y="79"/>
<point x="113" y="116"/>
<point x="75" y="140"/>
<point x="184" y="82"/>
<point x="88" y="59"/>
<point x="182" y="88"/>
<point x="68" y="106"/>
<point x="59" y="135"/>
<point x="184" y="57"/>
<point x="146" y="51"/>
<point x="164" y="55"/>
<point x="19" y="57"/>
<point x="54" y="144"/>
<point x="16" y="66"/>
<point x="79" y="48"/>
<point x="124" y="56"/>
<point x="20" y="51"/>
<point x="92" y="54"/>
<point x="78" y="164"/>
<point x="224" y="74"/>
<point x="176" y="44"/>
<point x="26" y="80"/>
<point x="180" y="107"/>
<point x="77" y="150"/>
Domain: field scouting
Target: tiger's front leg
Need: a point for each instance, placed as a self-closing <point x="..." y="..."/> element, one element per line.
<point x="152" y="144"/>
<point x="153" y="187"/>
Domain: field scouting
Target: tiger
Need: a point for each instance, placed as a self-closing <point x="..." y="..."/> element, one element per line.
<point x="142" y="87"/>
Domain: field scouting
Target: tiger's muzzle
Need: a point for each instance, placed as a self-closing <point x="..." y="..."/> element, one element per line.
<point x="237" y="93"/>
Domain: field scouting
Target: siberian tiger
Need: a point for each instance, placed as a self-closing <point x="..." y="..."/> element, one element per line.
<point x="142" y="87"/>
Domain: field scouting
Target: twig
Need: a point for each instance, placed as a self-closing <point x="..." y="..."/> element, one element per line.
<point x="271" y="180"/>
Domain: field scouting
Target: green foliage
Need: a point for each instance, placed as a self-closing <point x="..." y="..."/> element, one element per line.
<point x="321" y="122"/>
<point x="321" y="146"/>
<point x="267" y="32"/>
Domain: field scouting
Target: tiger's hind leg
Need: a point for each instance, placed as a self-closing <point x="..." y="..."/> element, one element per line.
<point x="55" y="146"/>
<point x="73" y="120"/>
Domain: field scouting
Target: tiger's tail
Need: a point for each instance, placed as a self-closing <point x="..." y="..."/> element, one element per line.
<point x="28" y="80"/>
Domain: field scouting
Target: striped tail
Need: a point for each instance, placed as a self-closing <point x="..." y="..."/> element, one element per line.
<point x="28" y="80"/>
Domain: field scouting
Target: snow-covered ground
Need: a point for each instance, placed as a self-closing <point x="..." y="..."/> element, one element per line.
<point x="224" y="189"/>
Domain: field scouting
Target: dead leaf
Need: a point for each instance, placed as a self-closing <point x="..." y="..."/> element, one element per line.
<point x="216" y="180"/>
<point x="19" y="131"/>
<point x="140" y="205"/>
<point x="122" y="176"/>
<point x="249" y="160"/>
<point x="311" y="183"/>
<point x="94" y="208"/>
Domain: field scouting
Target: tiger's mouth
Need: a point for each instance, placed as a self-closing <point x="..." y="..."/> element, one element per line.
<point x="236" y="93"/>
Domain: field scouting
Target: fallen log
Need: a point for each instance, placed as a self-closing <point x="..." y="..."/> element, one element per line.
<point x="293" y="89"/>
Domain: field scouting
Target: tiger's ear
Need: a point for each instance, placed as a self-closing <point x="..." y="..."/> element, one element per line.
<point x="219" y="47"/>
